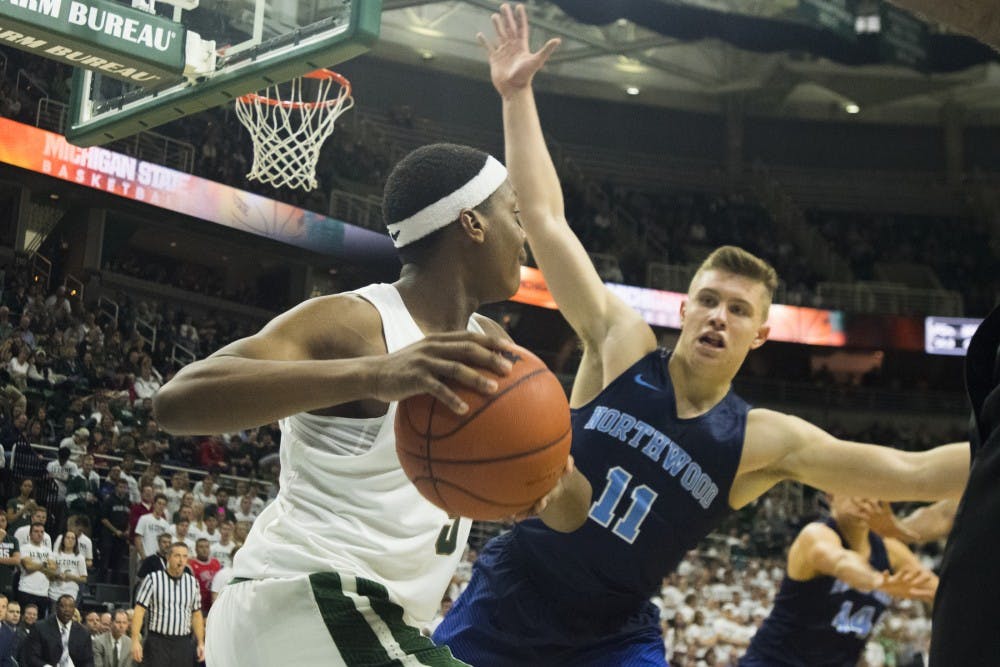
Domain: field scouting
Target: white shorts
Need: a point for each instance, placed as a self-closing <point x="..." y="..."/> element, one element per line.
<point x="322" y="619"/>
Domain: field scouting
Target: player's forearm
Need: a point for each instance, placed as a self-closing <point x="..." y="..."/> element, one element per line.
<point x="567" y="268"/>
<point x="227" y="393"/>
<point x="944" y="471"/>
<point x="932" y="522"/>
<point x="531" y="169"/>
<point x="851" y="568"/>
<point x="569" y="511"/>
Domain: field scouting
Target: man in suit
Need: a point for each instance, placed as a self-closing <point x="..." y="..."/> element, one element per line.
<point x="114" y="648"/>
<point x="8" y="636"/>
<point x="59" y="636"/>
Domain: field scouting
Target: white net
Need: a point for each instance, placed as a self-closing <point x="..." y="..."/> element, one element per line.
<point x="288" y="125"/>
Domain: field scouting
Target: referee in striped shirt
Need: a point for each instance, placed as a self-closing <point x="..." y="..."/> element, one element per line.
<point x="173" y="600"/>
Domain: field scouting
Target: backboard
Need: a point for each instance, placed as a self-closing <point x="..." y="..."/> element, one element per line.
<point x="256" y="43"/>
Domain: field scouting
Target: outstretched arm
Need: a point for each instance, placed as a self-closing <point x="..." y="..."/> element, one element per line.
<point x="818" y="551"/>
<point x="595" y="314"/>
<point x="924" y="525"/>
<point x="318" y="355"/>
<point x="786" y="447"/>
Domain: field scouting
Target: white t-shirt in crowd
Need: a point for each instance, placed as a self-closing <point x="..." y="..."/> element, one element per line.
<point x="34" y="583"/>
<point x="149" y="528"/>
<point x="73" y="564"/>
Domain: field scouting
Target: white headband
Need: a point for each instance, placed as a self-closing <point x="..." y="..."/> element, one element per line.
<point x="446" y="210"/>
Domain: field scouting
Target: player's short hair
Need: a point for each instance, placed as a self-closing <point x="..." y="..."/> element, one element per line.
<point x="738" y="261"/>
<point x="425" y="176"/>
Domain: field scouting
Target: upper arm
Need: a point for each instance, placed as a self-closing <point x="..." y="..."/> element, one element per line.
<point x="320" y="328"/>
<point x="601" y="319"/>
<point x="815" y="552"/>
<point x="792" y="448"/>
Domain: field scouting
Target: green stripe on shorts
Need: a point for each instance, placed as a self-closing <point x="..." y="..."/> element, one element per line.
<point x="368" y="628"/>
<point x="408" y="637"/>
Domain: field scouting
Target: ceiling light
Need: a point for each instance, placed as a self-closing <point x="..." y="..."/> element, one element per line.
<point x="852" y="108"/>
<point x="426" y="32"/>
<point x="632" y="90"/>
<point x="53" y="196"/>
<point x="173" y="244"/>
<point x="630" y="65"/>
<point x="426" y="54"/>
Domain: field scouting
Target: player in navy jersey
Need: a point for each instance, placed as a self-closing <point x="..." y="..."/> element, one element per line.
<point x="840" y="579"/>
<point x="667" y="447"/>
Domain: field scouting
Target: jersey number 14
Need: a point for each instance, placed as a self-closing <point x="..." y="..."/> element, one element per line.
<point x="603" y="511"/>
<point x="859" y="623"/>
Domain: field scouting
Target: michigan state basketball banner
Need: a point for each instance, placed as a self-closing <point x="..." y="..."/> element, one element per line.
<point x="125" y="176"/>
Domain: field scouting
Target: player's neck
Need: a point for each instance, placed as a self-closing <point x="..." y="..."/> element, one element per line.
<point x="696" y="393"/>
<point x="856" y="536"/>
<point x="438" y="301"/>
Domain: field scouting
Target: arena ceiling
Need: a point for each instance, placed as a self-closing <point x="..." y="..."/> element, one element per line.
<point x="794" y="71"/>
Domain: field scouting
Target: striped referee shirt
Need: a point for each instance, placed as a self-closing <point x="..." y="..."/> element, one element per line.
<point x="169" y="602"/>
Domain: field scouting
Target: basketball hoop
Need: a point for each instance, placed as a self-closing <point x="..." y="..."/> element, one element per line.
<point x="289" y="130"/>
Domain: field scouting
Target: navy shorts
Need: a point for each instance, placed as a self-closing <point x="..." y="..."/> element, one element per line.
<point x="501" y="620"/>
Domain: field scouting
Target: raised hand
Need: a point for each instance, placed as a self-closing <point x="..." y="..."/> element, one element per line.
<point x="426" y="366"/>
<point x="911" y="583"/>
<point x="512" y="64"/>
<point x="883" y="521"/>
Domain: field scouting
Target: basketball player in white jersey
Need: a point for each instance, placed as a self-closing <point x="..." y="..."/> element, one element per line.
<point x="349" y="559"/>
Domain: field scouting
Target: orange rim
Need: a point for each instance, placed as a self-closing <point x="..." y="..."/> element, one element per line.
<point x="345" y="85"/>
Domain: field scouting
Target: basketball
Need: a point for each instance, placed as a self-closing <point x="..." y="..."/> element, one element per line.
<point x="501" y="456"/>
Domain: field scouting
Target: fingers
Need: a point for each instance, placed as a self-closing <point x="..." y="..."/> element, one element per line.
<point x="500" y="26"/>
<point x="482" y="352"/>
<point x="485" y="43"/>
<point x="520" y="21"/>
<point x="546" y="51"/>
<point x="510" y="23"/>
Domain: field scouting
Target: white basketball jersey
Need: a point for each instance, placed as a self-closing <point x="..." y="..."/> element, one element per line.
<point x="347" y="507"/>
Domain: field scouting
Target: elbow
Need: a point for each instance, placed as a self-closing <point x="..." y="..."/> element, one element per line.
<point x="168" y="410"/>
<point x="164" y="410"/>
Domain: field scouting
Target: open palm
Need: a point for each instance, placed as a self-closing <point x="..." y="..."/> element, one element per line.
<point x="512" y="64"/>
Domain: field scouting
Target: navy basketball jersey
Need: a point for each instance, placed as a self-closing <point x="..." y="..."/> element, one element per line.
<point x="660" y="484"/>
<point x="821" y="622"/>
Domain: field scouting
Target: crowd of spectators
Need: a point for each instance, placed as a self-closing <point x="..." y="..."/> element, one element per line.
<point x="961" y="253"/>
<point x="83" y="460"/>
<point x="197" y="278"/>
<point x="664" y="226"/>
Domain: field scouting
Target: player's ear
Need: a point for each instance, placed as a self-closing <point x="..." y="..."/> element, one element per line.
<point x="472" y="225"/>
<point x="762" y="333"/>
<point x="683" y="308"/>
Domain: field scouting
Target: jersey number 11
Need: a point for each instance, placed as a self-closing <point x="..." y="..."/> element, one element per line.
<point x="603" y="511"/>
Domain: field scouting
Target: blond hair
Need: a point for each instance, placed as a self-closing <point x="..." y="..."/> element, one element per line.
<point x="739" y="262"/>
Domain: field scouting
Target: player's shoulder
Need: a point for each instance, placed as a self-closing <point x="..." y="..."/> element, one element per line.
<point x="490" y="326"/>
<point x="329" y="327"/>
<point x="817" y="531"/>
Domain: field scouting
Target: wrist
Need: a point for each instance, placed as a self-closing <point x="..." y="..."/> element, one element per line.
<point x="513" y="93"/>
